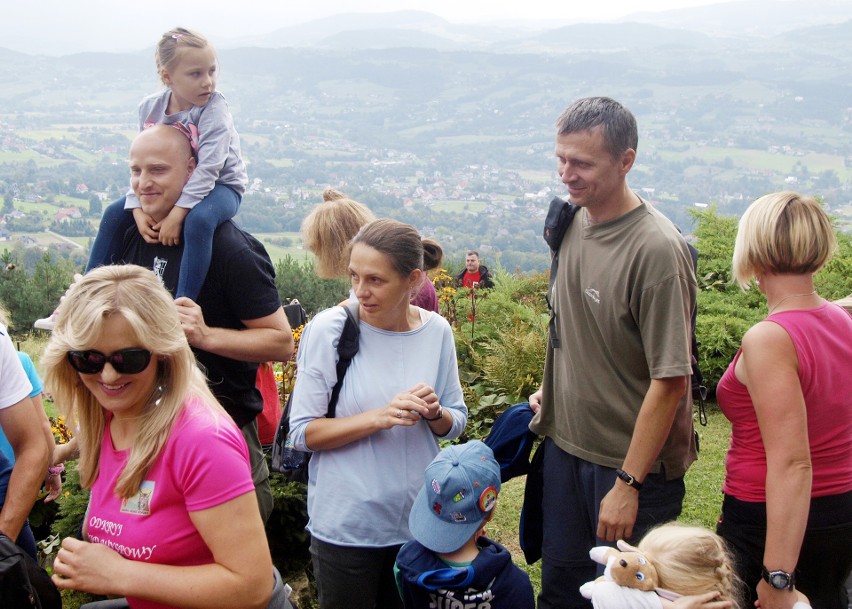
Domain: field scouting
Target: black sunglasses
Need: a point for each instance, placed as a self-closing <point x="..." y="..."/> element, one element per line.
<point x="126" y="361"/>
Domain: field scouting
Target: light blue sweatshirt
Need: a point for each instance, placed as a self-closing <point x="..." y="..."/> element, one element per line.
<point x="360" y="494"/>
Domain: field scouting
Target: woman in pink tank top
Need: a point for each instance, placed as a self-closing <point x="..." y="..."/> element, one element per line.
<point x="787" y="512"/>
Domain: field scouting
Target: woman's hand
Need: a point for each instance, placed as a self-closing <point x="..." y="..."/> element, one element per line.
<point x="772" y="598"/>
<point x="92" y="567"/>
<point x="407" y="408"/>
<point x="428" y="395"/>
<point x="53" y="486"/>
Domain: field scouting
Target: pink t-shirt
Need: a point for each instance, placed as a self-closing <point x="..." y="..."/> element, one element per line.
<point x="823" y="341"/>
<point x="204" y="463"/>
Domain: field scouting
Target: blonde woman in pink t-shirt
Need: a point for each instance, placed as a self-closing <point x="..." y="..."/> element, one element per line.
<point x="173" y="520"/>
<point x="787" y="512"/>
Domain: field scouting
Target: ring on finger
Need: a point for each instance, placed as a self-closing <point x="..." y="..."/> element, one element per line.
<point x="399" y="414"/>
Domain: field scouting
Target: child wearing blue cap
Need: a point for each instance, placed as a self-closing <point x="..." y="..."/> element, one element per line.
<point x="451" y="562"/>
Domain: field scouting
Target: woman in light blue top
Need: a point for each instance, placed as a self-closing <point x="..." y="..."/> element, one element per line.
<point x="400" y="394"/>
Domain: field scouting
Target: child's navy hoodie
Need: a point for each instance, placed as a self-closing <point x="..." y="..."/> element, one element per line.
<point x="491" y="581"/>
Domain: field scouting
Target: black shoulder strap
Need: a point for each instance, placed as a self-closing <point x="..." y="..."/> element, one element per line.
<point x="699" y="390"/>
<point x="347" y="347"/>
<point x="560" y="214"/>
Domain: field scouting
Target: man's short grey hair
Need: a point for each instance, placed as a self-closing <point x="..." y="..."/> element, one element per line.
<point x="619" y="125"/>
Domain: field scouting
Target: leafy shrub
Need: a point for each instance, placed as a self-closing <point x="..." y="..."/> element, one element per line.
<point x="285" y="530"/>
<point x="725" y="312"/>
<point x="513" y="366"/>
<point x="31" y="295"/>
<point x="72" y="504"/>
<point x="501" y="350"/>
<point x="296" y="279"/>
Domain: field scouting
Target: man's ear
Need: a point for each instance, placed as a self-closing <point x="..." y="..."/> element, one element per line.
<point x="627" y="160"/>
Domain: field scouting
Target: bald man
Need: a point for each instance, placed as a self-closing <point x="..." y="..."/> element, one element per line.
<point x="237" y="320"/>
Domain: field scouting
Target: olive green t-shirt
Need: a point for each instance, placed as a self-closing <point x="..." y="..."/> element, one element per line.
<point x="623" y="300"/>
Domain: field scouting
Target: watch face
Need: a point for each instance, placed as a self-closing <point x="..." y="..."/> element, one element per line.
<point x="779" y="580"/>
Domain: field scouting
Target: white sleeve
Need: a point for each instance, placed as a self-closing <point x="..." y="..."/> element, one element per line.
<point x="14" y="384"/>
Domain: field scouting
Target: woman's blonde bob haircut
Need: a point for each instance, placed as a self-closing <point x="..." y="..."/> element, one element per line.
<point x="782" y="232"/>
<point x="328" y="229"/>
<point x="137" y="295"/>
<point x="692" y="560"/>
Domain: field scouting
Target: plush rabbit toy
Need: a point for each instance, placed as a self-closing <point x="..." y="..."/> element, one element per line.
<point x="629" y="580"/>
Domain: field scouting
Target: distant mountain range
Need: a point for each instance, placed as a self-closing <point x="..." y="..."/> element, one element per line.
<point x="425" y="116"/>
<point x="736" y="19"/>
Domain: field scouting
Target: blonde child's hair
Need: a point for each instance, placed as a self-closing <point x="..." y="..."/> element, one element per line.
<point x="782" y="232"/>
<point x="137" y="295"/>
<point x="692" y="560"/>
<point x="167" y="51"/>
<point x="329" y="228"/>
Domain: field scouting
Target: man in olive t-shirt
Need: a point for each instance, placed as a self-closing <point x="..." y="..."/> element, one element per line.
<point x="613" y="407"/>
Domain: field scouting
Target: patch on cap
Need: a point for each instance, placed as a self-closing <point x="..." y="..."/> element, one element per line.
<point x="488" y="499"/>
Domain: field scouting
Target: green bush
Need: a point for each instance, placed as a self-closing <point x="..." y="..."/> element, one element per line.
<point x="501" y="351"/>
<point x="726" y="312"/>
<point x="296" y="279"/>
<point x="285" y="530"/>
<point x="72" y="504"/>
<point x="31" y="295"/>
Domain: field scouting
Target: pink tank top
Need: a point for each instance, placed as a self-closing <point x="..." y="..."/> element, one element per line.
<point x="823" y="341"/>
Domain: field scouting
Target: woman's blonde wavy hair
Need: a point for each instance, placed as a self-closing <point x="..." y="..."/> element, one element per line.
<point x="138" y="296"/>
<point x="692" y="560"/>
<point x="329" y="228"/>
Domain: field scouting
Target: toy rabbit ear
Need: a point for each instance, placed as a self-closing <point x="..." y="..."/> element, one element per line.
<point x="626" y="547"/>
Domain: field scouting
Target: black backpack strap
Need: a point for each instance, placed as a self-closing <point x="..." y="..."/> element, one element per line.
<point x="699" y="390"/>
<point x="347" y="347"/>
<point x="560" y="214"/>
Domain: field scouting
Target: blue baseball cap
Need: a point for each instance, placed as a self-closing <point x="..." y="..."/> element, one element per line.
<point x="460" y="489"/>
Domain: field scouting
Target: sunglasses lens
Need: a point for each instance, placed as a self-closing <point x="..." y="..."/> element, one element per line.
<point x="127" y="361"/>
<point x="130" y="361"/>
<point x="87" y="362"/>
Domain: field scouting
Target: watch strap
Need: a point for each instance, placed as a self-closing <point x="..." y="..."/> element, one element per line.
<point x="628" y="479"/>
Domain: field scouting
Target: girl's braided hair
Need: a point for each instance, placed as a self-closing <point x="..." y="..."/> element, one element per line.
<point x="692" y="560"/>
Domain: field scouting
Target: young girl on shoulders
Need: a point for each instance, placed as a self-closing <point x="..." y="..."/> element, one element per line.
<point x="188" y="67"/>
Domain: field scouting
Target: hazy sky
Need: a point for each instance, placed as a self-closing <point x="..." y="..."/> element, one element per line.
<point x="66" y="26"/>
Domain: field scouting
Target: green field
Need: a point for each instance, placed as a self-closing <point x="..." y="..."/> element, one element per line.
<point x="277" y="252"/>
<point x="469" y="207"/>
<point x="760" y="160"/>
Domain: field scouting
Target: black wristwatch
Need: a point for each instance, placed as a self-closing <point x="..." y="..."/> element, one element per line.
<point x="628" y="479"/>
<point x="780" y="580"/>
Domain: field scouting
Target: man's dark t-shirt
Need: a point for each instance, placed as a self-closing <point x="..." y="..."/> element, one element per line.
<point x="239" y="285"/>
